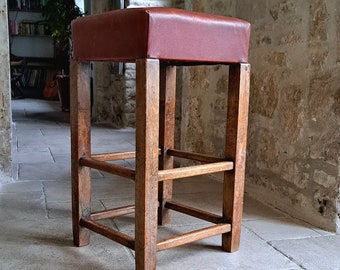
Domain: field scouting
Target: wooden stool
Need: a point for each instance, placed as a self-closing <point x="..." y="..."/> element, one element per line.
<point x="157" y="40"/>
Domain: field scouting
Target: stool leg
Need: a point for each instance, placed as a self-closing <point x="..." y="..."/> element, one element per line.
<point x="236" y="142"/>
<point x="146" y="199"/>
<point x="166" y="136"/>
<point x="80" y="147"/>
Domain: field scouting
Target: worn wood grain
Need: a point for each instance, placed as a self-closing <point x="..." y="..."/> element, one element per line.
<point x="236" y="143"/>
<point x="194" y="212"/>
<point x="108" y="232"/>
<point x="80" y="119"/>
<point x="108" y="167"/>
<point x="189" y="237"/>
<point x="193" y="156"/>
<point x="166" y="136"/>
<point x="114" y="156"/>
<point x="146" y="185"/>
<point x="111" y="213"/>
<point x="195" y="170"/>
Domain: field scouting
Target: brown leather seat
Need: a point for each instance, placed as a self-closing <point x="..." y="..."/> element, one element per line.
<point x="158" y="39"/>
<point x="161" y="33"/>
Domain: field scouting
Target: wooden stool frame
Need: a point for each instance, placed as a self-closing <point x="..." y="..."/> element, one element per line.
<point x="154" y="172"/>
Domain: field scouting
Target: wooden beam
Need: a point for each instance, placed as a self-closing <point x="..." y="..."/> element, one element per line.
<point x="118" y="237"/>
<point x="194" y="212"/>
<point x="193" y="156"/>
<point x="111" y="213"/>
<point x="236" y="144"/>
<point x="146" y="185"/>
<point x="80" y="122"/>
<point x="114" y="156"/>
<point x="195" y="170"/>
<point x="108" y="167"/>
<point x="166" y="135"/>
<point x="186" y="238"/>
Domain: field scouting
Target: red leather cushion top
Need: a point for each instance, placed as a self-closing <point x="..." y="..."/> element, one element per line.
<point x="162" y="33"/>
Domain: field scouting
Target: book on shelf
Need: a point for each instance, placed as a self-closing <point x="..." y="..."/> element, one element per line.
<point x="34" y="78"/>
<point x="29" y="28"/>
<point x="13" y="27"/>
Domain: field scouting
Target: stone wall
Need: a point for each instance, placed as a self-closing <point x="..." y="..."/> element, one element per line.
<point x="295" y="113"/>
<point x="5" y="98"/>
<point x="108" y="81"/>
<point x="130" y="74"/>
<point x="294" y="128"/>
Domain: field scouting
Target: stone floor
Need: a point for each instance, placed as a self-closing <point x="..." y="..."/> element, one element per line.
<point x="35" y="215"/>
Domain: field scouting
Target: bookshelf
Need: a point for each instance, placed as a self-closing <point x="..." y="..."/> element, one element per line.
<point x="30" y="39"/>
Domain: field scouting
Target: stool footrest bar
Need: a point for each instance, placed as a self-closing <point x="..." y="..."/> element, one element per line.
<point x="193" y="156"/>
<point x="114" y="156"/>
<point x="116" y="212"/>
<point x="193" y="212"/>
<point x="109" y="233"/>
<point x="195" y="170"/>
<point x="108" y="167"/>
<point x="189" y="237"/>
